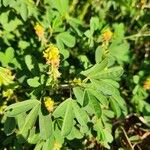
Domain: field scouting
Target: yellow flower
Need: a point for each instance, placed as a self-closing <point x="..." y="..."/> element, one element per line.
<point x="77" y="81"/>
<point x="52" y="56"/>
<point x="49" y="103"/>
<point x="146" y="85"/>
<point x="3" y="107"/>
<point x="39" y="30"/>
<point x="107" y="35"/>
<point x="6" y="76"/>
<point x="8" y="93"/>
<point x="57" y="146"/>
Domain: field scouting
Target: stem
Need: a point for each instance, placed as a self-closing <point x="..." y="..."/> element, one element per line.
<point x="137" y="35"/>
<point x="126" y="136"/>
<point x="85" y="9"/>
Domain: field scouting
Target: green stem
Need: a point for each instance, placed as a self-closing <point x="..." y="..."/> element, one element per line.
<point x="137" y="36"/>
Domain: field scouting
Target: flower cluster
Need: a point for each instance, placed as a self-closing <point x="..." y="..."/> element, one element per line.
<point x="49" y="103"/>
<point x="52" y="57"/>
<point x="146" y="85"/>
<point x="107" y="35"/>
<point x="8" y="93"/>
<point x="39" y="30"/>
<point x="6" y="76"/>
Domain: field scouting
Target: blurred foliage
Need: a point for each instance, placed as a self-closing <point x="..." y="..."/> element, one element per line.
<point x="74" y="74"/>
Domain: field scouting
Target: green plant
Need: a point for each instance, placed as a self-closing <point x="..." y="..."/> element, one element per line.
<point x="61" y="63"/>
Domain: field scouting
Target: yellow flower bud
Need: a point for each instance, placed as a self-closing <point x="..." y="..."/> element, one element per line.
<point x="8" y="93"/>
<point x="6" y="76"/>
<point x="146" y="85"/>
<point x="107" y="35"/>
<point x="49" y="103"/>
<point x="39" y="30"/>
<point x="52" y="56"/>
<point x="77" y="81"/>
<point x="57" y="146"/>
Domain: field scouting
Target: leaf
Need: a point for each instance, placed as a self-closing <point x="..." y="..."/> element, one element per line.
<point x="95" y="105"/>
<point x="39" y="145"/>
<point x="79" y="93"/>
<point x="94" y="24"/>
<point x="112" y="73"/>
<point x="24" y="11"/>
<point x="75" y="134"/>
<point x="33" y="82"/>
<point x="68" y="119"/>
<point x="33" y="136"/>
<point x="115" y="107"/>
<point x="45" y="124"/>
<point x="98" y="54"/>
<point x="6" y="2"/>
<point x="122" y="51"/>
<point x="20" y="107"/>
<point x="49" y="144"/>
<point x="66" y="38"/>
<point x="60" y="110"/>
<point x="86" y="98"/>
<point x="7" y="57"/>
<point x="21" y="119"/>
<point x="100" y="97"/>
<point x="96" y="68"/>
<point x="32" y="64"/>
<point x="9" y="125"/>
<point x="9" y="54"/>
<point x="104" y="87"/>
<point x="61" y="5"/>
<point x="81" y="117"/>
<point x="29" y="123"/>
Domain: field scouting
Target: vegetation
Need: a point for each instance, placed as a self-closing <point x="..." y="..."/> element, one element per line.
<point x="74" y="74"/>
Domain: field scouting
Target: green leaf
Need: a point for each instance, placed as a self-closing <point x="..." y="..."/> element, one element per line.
<point x="98" y="54"/>
<point x="33" y="136"/>
<point x="61" y="5"/>
<point x="33" y="82"/>
<point x="81" y="117"/>
<point x="94" y="23"/>
<point x="21" y="119"/>
<point x="112" y="73"/>
<point x="86" y="98"/>
<point x="114" y="105"/>
<point x="24" y="11"/>
<point x="32" y="64"/>
<point x="7" y="57"/>
<point x="45" y="124"/>
<point x="49" y="144"/>
<point x="75" y="134"/>
<point x="68" y="119"/>
<point x="20" y="107"/>
<point x="60" y="110"/>
<point x="95" y="105"/>
<point x="66" y="38"/>
<point x="6" y="2"/>
<point x="122" y="51"/>
<point x="29" y="123"/>
<point x="96" y="68"/>
<point x="9" y="125"/>
<point x="79" y="93"/>
<point x="100" y="97"/>
<point x="104" y="87"/>
<point x="9" y="54"/>
<point x="39" y="145"/>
